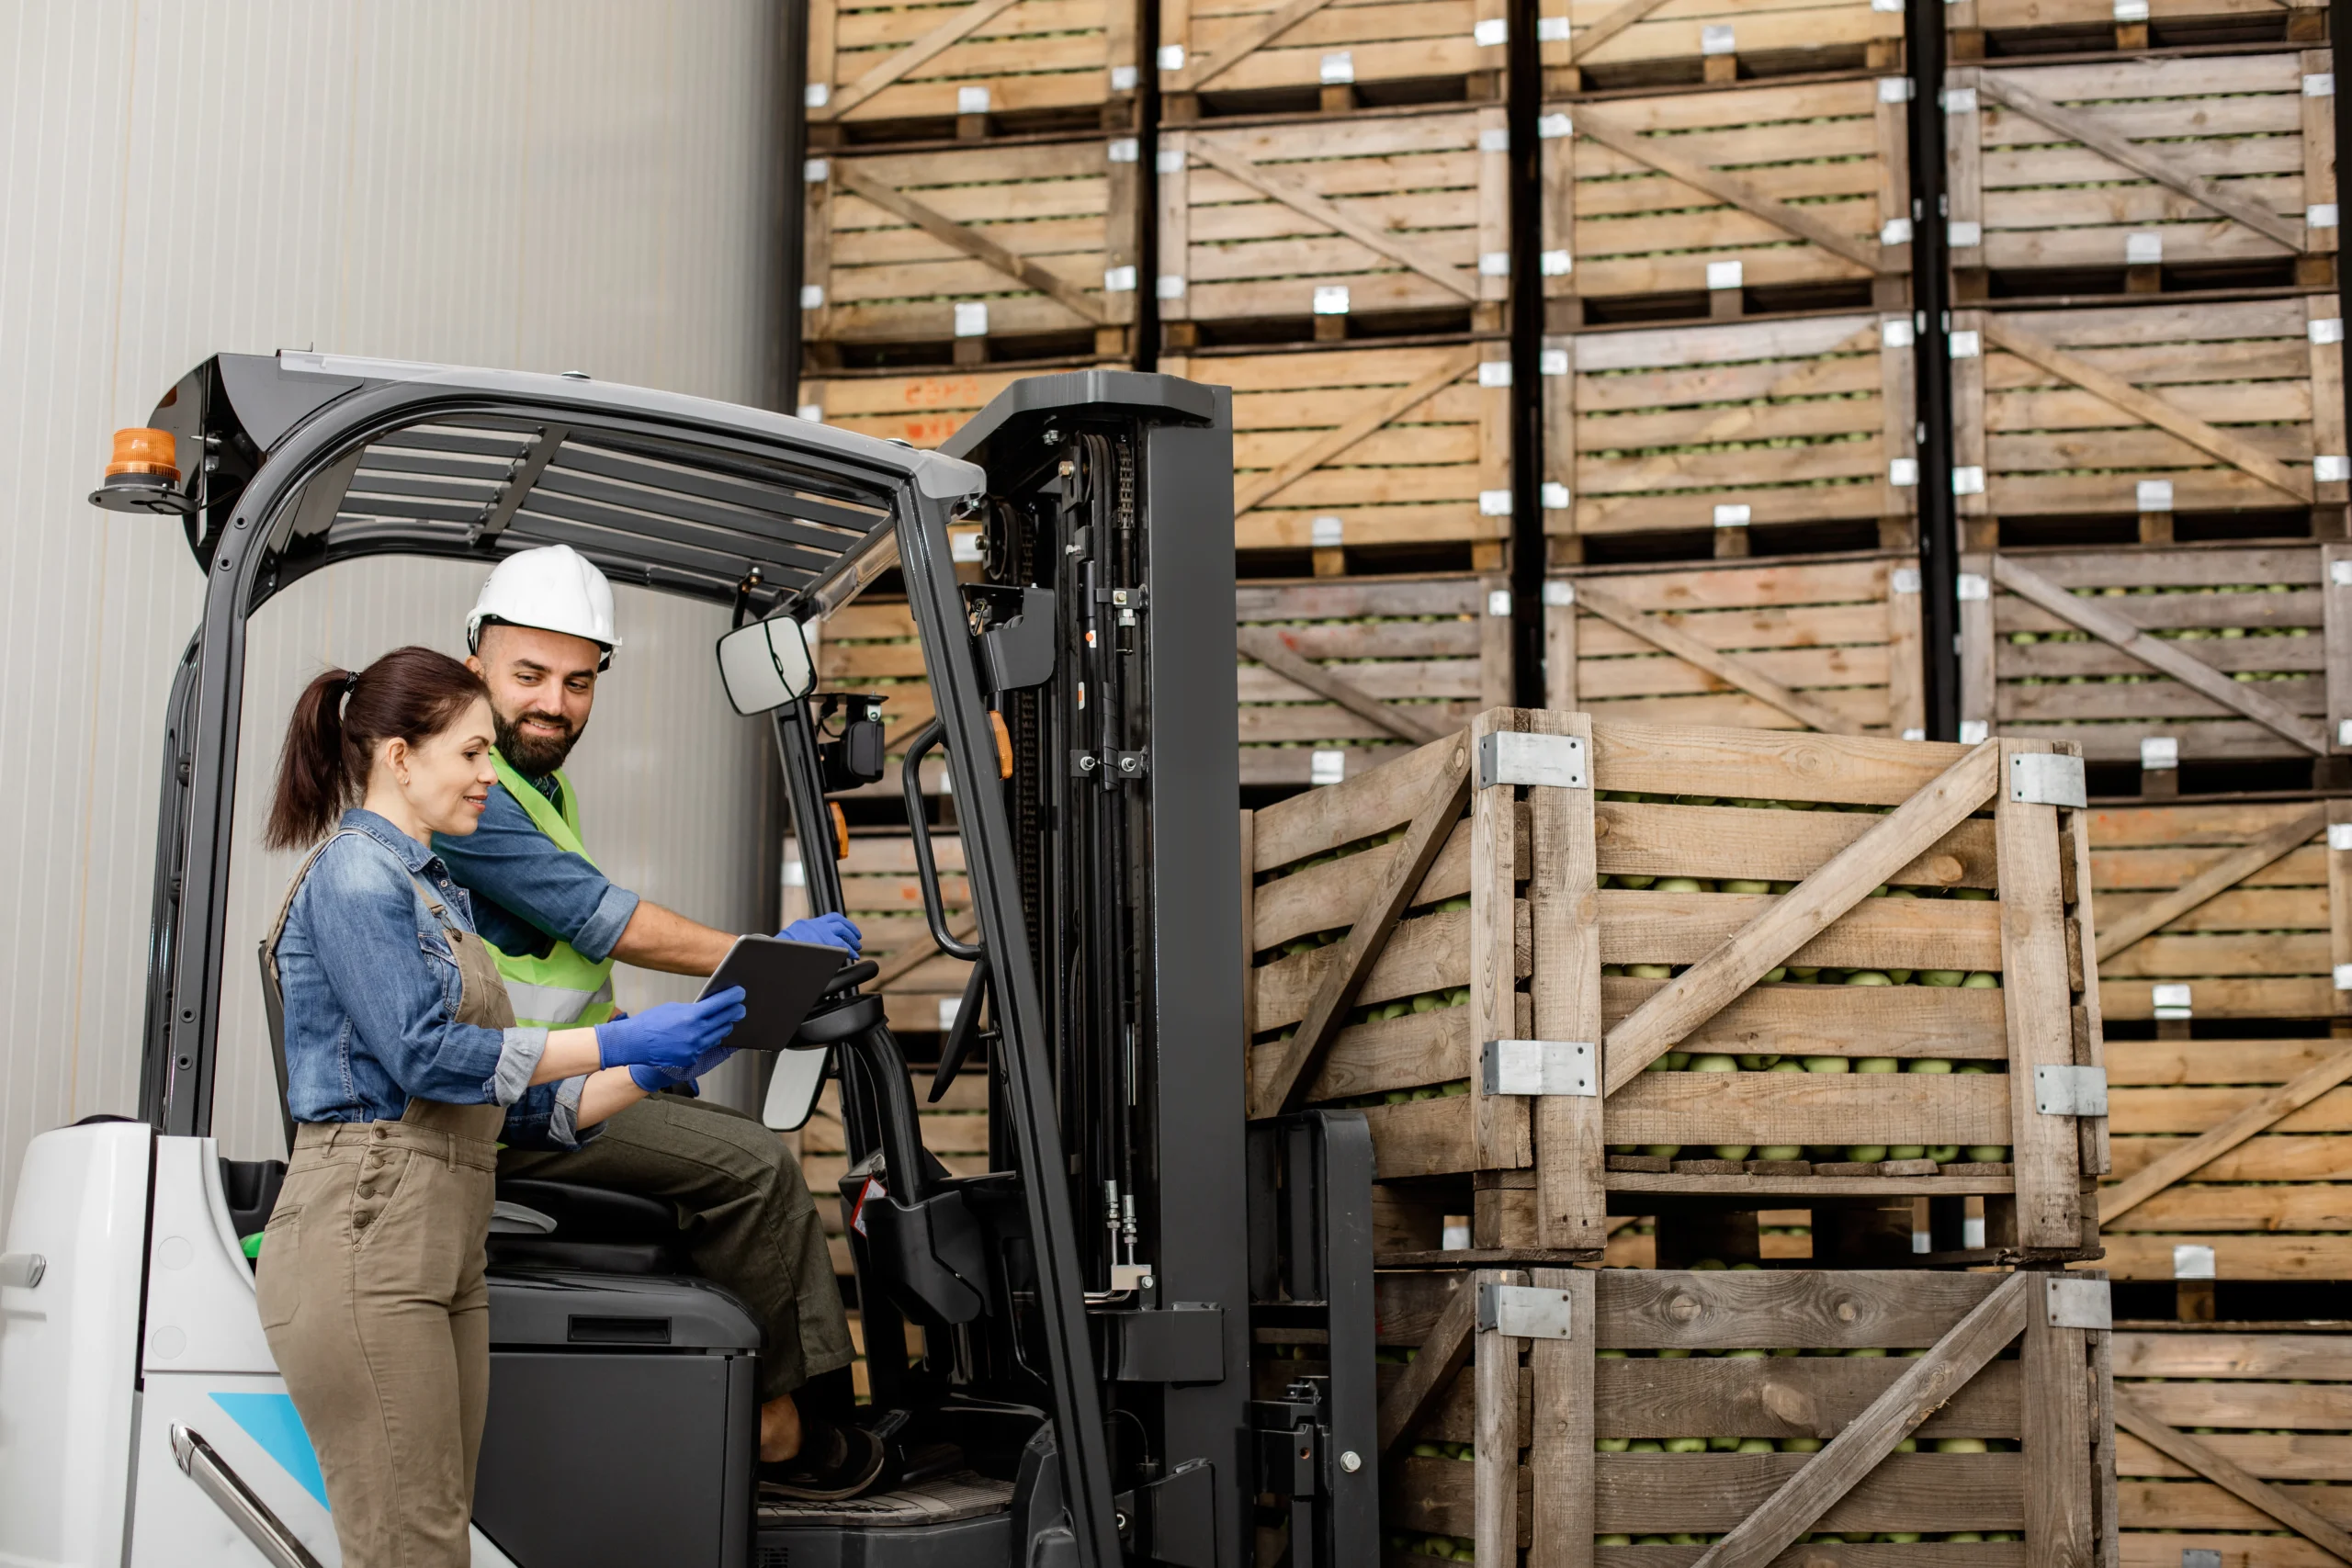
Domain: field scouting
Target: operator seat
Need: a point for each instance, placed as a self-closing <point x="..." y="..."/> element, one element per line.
<point x="598" y="1230"/>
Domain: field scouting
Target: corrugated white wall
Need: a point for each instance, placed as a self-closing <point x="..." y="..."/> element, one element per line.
<point x="544" y="186"/>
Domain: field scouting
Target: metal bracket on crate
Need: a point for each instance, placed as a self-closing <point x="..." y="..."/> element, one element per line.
<point x="2046" y="778"/>
<point x="2071" y="1302"/>
<point x="1538" y="1066"/>
<point x="2070" y="1091"/>
<point x="1523" y="1311"/>
<point x="1552" y="762"/>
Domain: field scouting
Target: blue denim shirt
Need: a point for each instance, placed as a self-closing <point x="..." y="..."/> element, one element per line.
<point x="530" y="894"/>
<point x="371" y="991"/>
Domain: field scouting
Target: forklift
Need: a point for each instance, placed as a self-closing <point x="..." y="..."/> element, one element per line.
<point x="1080" y="1391"/>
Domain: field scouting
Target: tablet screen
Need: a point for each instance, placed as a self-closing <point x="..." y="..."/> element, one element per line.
<point x="781" y="981"/>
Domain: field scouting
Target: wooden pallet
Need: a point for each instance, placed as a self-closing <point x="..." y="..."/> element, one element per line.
<point x="2222" y="911"/>
<point x="1951" y="1408"/>
<point x="1348" y="916"/>
<point x="1339" y="677"/>
<point x="1257" y="56"/>
<point x="1395" y="222"/>
<point x="1335" y="450"/>
<point x="1983" y="30"/>
<point x="1699" y="438"/>
<point x="2161" y="654"/>
<point x="1830" y="644"/>
<point x="2233" y="1444"/>
<point x="1020" y="250"/>
<point x="1691" y="204"/>
<point x="923" y="408"/>
<point x="2141" y="175"/>
<point x="1598" y="45"/>
<point x="969" y="68"/>
<point x="2232" y="1159"/>
<point x="2147" y="410"/>
<point x="957" y="1129"/>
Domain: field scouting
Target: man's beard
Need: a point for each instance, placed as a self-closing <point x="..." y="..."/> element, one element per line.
<point x="534" y="758"/>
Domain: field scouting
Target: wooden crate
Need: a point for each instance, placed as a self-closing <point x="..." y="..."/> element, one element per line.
<point x="957" y="1129"/>
<point x="969" y="68"/>
<point x="1335" y="450"/>
<point x="2145" y="411"/>
<point x="923" y="408"/>
<point x="1391" y="223"/>
<point x="2231" y="1159"/>
<point x="2237" y="1444"/>
<point x="2222" y="911"/>
<point x="1697" y="204"/>
<point x="1016" y="250"/>
<point x="1369" y="893"/>
<point x="1830" y="644"/>
<point x="1598" y="45"/>
<point x="1339" y="677"/>
<point x="1696" y="436"/>
<point x="1258" y="56"/>
<point x="1982" y="28"/>
<point x="1729" y="1417"/>
<point x="2154" y="655"/>
<point x="919" y="985"/>
<point x="2142" y="174"/>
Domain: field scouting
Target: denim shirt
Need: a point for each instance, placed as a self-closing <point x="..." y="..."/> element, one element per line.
<point x="530" y="894"/>
<point x="372" y="990"/>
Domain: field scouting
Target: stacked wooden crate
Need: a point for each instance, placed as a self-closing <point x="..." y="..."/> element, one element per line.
<point x="973" y="198"/>
<point x="1726" y="367"/>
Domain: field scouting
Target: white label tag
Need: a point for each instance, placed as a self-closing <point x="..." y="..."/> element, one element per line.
<point x="1726" y="274"/>
<point x="1895" y="333"/>
<point x="1493" y="373"/>
<point x="2172" y="996"/>
<point x="1169" y="285"/>
<point x="1974" y="586"/>
<point x="1963" y="235"/>
<point x="1555" y="496"/>
<point x="1551" y="29"/>
<point x="813" y="413"/>
<point x="1968" y="480"/>
<point x="1731" y="514"/>
<point x="1972" y="731"/>
<point x="812" y="296"/>
<point x="1171" y="57"/>
<point x="2159" y="753"/>
<point x="1902" y="473"/>
<point x="2130" y="10"/>
<point x="2339" y="836"/>
<point x="2192" y="1260"/>
<point x="1494" y="503"/>
<point x="1118" y="280"/>
<point x="1494" y="263"/>
<point x="948" y="1008"/>
<point x="1326" y="532"/>
<point x="796" y="875"/>
<point x="1894" y="89"/>
<point x="1559" y="595"/>
<point x="817" y="170"/>
<point x="2325" y="329"/>
<point x="816" y="95"/>
<point x="1553" y="126"/>
<point x="1967" y="345"/>
<point x="1552" y="362"/>
<point x="1895" y="231"/>
<point x="2320" y="215"/>
<point x="2155" y="495"/>
<point x="2144" y="247"/>
<point x="1337" y="68"/>
<point x="1915" y="735"/>
<point x="1904" y="580"/>
<point x="1492" y="33"/>
<point x="2327" y="470"/>
<point x="972" y="318"/>
<point x="1959" y="100"/>
<point x="1717" y="38"/>
<point x="1326" y="768"/>
<point x="2343" y="977"/>
<point x="2319" y="84"/>
<point x="1499" y="604"/>
<point x="1124" y="78"/>
<point x="1123" y="150"/>
<point x="2344" y="732"/>
<point x="1495" y="139"/>
<point x="1555" y="263"/>
<point x="971" y="100"/>
<point x="1169" y="160"/>
<point x="1331" y="299"/>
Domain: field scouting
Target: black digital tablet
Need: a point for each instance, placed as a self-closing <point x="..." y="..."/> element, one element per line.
<point x="781" y="981"/>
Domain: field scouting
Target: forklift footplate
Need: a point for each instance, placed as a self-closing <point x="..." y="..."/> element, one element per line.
<point x="964" y="1496"/>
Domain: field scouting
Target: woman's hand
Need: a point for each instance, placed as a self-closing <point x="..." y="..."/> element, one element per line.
<point x="672" y="1038"/>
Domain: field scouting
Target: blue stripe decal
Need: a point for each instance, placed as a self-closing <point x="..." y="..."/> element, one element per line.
<point x="271" y="1420"/>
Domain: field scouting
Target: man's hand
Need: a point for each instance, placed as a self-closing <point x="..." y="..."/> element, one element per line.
<point x="827" y="931"/>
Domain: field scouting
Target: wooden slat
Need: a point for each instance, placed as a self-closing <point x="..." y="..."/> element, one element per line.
<point x="1584" y="40"/>
<point x="2179" y="1446"/>
<point x="1663" y="634"/>
<point x="1430" y="1374"/>
<point x="1870" y="1438"/>
<point x="1297" y="195"/>
<point x="1271" y="648"/>
<point x="2060" y="1528"/>
<point x="1496" y="1453"/>
<point x="1571" y="1158"/>
<point x="1560" y="1462"/>
<point x="1250" y="492"/>
<point x="2226" y="873"/>
<point x="972" y="243"/>
<point x="1707" y="987"/>
<point x="1292" y="1060"/>
<point x="2186" y="1160"/>
<point x="1244" y="44"/>
<point x="2037" y="998"/>
<point x="929" y="47"/>
<point x="2011" y="574"/>
<point x="1500" y="1123"/>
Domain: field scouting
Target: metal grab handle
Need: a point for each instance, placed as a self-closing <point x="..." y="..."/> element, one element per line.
<point x="230" y="1494"/>
<point x="927" y="870"/>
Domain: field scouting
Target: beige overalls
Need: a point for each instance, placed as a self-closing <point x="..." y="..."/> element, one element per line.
<point x="371" y="1294"/>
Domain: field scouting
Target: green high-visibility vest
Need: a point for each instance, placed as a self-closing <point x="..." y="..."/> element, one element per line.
<point x="565" y="989"/>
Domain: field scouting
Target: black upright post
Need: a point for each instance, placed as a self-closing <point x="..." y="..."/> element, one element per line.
<point x="2339" y="25"/>
<point x="1931" y="319"/>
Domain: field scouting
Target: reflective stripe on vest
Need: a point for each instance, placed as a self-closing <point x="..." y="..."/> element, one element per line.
<point x="564" y="989"/>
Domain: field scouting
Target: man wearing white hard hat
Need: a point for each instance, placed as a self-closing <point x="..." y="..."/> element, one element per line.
<point x="539" y="634"/>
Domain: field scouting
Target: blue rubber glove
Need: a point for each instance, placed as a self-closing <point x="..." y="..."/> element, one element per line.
<point x="671" y="1038"/>
<point x="828" y="930"/>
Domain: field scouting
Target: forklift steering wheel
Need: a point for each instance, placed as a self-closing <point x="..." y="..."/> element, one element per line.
<point x="849" y="975"/>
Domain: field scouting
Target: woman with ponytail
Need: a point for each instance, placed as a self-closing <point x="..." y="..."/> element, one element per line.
<point x="404" y="1070"/>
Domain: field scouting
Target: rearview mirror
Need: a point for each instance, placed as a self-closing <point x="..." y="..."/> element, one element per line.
<point x="765" y="665"/>
<point x="793" y="1091"/>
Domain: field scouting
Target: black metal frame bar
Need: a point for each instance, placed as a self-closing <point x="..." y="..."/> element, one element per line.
<point x="1932" y="362"/>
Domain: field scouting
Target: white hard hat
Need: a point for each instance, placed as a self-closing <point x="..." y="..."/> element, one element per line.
<point x="553" y="588"/>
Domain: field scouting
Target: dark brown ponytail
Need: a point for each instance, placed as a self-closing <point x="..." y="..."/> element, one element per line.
<point x="411" y="693"/>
